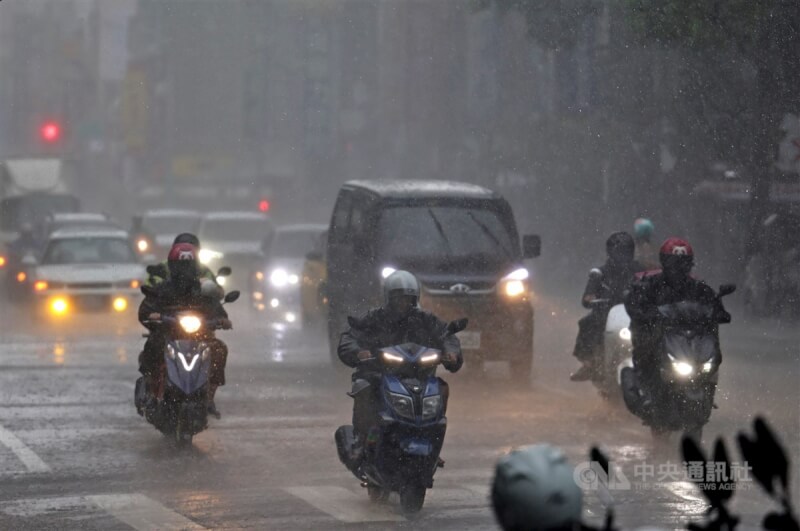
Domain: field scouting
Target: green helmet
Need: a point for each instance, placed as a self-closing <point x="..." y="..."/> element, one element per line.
<point x="534" y="490"/>
<point x="643" y="229"/>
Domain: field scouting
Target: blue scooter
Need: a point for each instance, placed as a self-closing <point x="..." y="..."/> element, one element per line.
<point x="402" y="449"/>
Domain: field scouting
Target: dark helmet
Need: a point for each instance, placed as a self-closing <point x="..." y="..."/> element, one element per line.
<point x="186" y="237"/>
<point x="182" y="262"/>
<point x="620" y="247"/>
<point x="676" y="256"/>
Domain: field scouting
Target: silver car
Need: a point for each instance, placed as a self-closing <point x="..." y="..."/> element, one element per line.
<point x="87" y="269"/>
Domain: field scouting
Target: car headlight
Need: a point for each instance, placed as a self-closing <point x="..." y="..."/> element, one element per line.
<point x="142" y="245"/>
<point x="207" y="255"/>
<point x="392" y="358"/>
<point x="120" y="304"/>
<point x="387" y="271"/>
<point x="708" y="366"/>
<point x="279" y="278"/>
<point x="40" y="285"/>
<point x="625" y="334"/>
<point x="431" y="405"/>
<point x="401" y="404"/>
<point x="2" y="261"/>
<point x="190" y="323"/>
<point x="682" y="368"/>
<point x="59" y="306"/>
<point x="515" y="283"/>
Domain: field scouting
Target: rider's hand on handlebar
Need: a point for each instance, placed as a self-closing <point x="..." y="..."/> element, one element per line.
<point x="364" y="355"/>
<point x="449" y="357"/>
<point x="154" y="316"/>
<point x="225" y="324"/>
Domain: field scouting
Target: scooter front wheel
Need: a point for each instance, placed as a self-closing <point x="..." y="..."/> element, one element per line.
<point x="412" y="497"/>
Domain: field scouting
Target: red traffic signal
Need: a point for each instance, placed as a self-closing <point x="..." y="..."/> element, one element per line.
<point x="263" y="205"/>
<point x="50" y="132"/>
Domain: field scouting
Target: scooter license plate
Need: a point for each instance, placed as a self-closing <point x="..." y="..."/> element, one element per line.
<point x="470" y="340"/>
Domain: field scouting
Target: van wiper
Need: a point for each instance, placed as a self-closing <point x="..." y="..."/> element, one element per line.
<point x="489" y="233"/>
<point x="440" y="230"/>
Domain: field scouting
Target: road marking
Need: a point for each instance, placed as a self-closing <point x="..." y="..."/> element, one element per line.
<point x="136" y="510"/>
<point x="28" y="457"/>
<point x="141" y="512"/>
<point x="345" y="505"/>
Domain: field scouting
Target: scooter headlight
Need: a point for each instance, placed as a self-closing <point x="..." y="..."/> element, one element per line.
<point x="708" y="366"/>
<point x="401" y="404"/>
<point x="392" y="358"/>
<point x="190" y="323"/>
<point x="625" y="334"/>
<point x="431" y="405"/>
<point x="430" y="358"/>
<point x="682" y="368"/>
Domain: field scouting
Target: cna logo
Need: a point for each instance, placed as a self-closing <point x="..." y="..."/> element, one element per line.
<point x="590" y="476"/>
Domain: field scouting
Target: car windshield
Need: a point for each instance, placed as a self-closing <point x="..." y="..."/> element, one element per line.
<point x="444" y="232"/>
<point x="171" y="224"/>
<point x="235" y="229"/>
<point x="33" y="208"/>
<point x="89" y="251"/>
<point x="293" y="244"/>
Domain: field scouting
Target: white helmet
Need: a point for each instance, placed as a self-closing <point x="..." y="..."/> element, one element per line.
<point x="534" y="489"/>
<point x="400" y="283"/>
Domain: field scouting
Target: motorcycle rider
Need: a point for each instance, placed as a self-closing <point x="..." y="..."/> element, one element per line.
<point x="671" y="285"/>
<point x="615" y="277"/>
<point x="643" y="230"/>
<point x="182" y="289"/>
<point x="162" y="272"/>
<point x="535" y="489"/>
<point x="399" y="320"/>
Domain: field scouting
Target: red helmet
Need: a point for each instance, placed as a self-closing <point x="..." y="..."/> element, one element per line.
<point x="182" y="251"/>
<point x="676" y="246"/>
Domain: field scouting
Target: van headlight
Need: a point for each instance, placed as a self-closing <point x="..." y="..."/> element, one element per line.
<point x="280" y="278"/>
<point x="207" y="256"/>
<point x="515" y="284"/>
<point x="402" y="404"/>
<point x="190" y="323"/>
<point x="431" y="405"/>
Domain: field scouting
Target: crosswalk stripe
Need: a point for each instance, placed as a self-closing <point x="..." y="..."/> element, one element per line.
<point x="28" y="457"/>
<point x="141" y="512"/>
<point x="345" y="505"/>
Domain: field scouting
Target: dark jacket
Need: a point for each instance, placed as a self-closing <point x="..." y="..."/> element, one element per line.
<point x="376" y="330"/>
<point x="652" y="291"/>
<point x="615" y="282"/>
<point x="166" y="297"/>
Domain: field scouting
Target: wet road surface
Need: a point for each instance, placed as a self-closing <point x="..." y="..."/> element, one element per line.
<point x="74" y="453"/>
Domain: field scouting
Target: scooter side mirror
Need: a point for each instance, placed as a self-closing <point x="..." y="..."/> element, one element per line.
<point x="595" y="274"/>
<point x="457" y="326"/>
<point x="726" y="289"/>
<point x="224" y="271"/>
<point x="232" y="296"/>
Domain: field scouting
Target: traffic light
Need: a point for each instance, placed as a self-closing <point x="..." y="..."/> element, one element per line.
<point x="50" y="132"/>
<point x="263" y="205"/>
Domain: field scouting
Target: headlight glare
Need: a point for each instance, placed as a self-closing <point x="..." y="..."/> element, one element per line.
<point x="387" y="271"/>
<point x="207" y="255"/>
<point x="142" y="245"/>
<point x="707" y="366"/>
<point x="625" y="334"/>
<point x="279" y="278"/>
<point x="514" y="288"/>
<point x="682" y="368"/>
<point x="190" y="323"/>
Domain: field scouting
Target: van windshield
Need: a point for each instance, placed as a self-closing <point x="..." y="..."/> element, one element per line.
<point x="445" y="234"/>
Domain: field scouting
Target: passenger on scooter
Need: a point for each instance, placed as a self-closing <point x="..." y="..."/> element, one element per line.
<point x="614" y="278"/>
<point x="182" y="290"/>
<point x="400" y="320"/>
<point x="645" y="250"/>
<point x="671" y="285"/>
